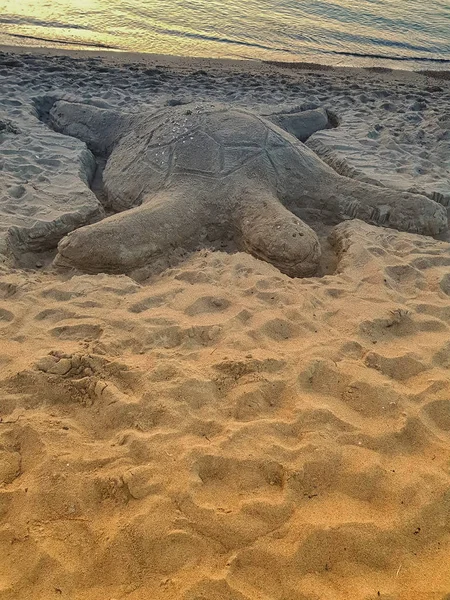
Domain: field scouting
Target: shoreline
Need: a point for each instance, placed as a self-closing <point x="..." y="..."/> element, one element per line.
<point x="118" y="57"/>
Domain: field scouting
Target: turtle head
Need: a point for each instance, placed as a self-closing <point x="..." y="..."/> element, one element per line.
<point x="290" y="245"/>
<point x="272" y="233"/>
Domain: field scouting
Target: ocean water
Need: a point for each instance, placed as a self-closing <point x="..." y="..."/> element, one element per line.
<point x="396" y="33"/>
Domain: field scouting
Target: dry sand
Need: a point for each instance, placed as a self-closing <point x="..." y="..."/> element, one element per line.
<point x="221" y="431"/>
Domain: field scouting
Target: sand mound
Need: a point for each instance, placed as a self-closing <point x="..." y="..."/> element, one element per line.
<point x="225" y="432"/>
<point x="44" y="188"/>
<point x="379" y="160"/>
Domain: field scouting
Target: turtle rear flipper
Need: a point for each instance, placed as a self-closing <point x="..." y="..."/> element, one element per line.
<point x="303" y="124"/>
<point x="99" y="128"/>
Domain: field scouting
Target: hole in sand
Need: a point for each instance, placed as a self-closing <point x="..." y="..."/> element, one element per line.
<point x="43" y="106"/>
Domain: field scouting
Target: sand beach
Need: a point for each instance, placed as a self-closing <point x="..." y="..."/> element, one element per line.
<point x="209" y="427"/>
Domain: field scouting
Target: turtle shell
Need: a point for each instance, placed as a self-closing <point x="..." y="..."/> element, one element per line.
<point x="211" y="142"/>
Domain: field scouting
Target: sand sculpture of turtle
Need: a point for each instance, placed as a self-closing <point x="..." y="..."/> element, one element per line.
<point x="190" y="172"/>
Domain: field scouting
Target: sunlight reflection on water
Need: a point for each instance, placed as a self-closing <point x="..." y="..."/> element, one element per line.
<point x="264" y="29"/>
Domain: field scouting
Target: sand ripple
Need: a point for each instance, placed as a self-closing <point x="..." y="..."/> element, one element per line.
<point x="227" y="432"/>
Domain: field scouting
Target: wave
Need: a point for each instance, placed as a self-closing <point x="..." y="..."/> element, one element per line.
<point x="65" y="42"/>
<point x="284" y="30"/>
<point x="388" y="57"/>
<point x="39" y="23"/>
<point x="225" y="40"/>
<point x="221" y="40"/>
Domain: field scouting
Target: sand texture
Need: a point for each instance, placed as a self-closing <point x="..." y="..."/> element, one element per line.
<point x="228" y="432"/>
<point x="221" y="431"/>
<point x="389" y="164"/>
<point x="44" y="190"/>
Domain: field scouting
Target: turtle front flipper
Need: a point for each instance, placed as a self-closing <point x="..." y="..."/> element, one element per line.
<point x="404" y="211"/>
<point x="99" y="128"/>
<point x="137" y="237"/>
<point x="272" y="233"/>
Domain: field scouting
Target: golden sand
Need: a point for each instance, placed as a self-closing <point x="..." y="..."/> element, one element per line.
<point x="224" y="432"/>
